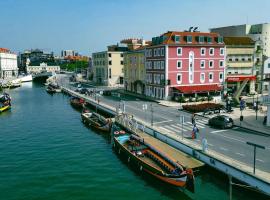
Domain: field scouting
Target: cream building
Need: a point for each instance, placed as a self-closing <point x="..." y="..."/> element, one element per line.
<point x="240" y="65"/>
<point x="134" y="71"/>
<point x="8" y="64"/>
<point x="43" y="67"/>
<point x="108" y="66"/>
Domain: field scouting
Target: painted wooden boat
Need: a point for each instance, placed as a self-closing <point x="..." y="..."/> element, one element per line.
<point x="77" y="103"/>
<point x="4" y="108"/>
<point x="97" y="121"/>
<point x="152" y="161"/>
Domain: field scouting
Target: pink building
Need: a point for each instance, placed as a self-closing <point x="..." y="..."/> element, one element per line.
<point x="184" y="63"/>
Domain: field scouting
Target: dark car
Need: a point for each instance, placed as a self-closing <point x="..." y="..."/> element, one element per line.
<point x="84" y="91"/>
<point x="222" y="121"/>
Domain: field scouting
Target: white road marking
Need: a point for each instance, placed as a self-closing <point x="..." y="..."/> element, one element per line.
<point x="164" y="129"/>
<point x="171" y="128"/>
<point x="259" y="160"/>
<point x="240" y="154"/>
<point x="163" y="122"/>
<point x="222" y="148"/>
<point x="231" y="138"/>
<point x="196" y="125"/>
<point x="218" y="131"/>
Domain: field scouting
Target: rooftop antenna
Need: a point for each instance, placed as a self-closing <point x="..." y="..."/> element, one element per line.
<point x="190" y="28"/>
<point x="195" y="29"/>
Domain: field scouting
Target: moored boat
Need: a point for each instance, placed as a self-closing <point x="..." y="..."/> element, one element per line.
<point x="77" y="103"/>
<point x="5" y="101"/>
<point x="97" y="121"/>
<point x="153" y="161"/>
<point x="4" y="108"/>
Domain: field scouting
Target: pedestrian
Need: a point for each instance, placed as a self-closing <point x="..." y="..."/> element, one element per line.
<point x="193" y="118"/>
<point x="195" y="130"/>
<point x="254" y="105"/>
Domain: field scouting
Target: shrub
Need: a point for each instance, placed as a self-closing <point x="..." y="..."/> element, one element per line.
<point x="202" y="107"/>
<point x="182" y="99"/>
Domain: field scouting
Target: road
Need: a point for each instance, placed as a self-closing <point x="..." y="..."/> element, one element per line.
<point x="229" y="142"/>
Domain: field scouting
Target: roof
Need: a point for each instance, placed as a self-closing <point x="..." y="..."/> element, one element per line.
<point x="238" y="41"/>
<point x="198" y="88"/>
<point x="169" y="38"/>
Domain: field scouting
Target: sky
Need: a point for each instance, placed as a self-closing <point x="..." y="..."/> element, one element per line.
<point x="88" y="26"/>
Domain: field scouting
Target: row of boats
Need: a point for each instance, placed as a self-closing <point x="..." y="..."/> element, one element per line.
<point x="137" y="151"/>
<point x="53" y="88"/>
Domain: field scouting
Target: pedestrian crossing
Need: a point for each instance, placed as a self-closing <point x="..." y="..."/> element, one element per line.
<point x="187" y="126"/>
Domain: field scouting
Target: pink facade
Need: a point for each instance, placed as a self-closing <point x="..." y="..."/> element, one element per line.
<point x="188" y="59"/>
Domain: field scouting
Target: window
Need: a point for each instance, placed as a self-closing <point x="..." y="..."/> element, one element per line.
<point x="201" y="39"/>
<point x="162" y="51"/>
<point x="209" y="39"/>
<point x="179" y="64"/>
<point x="211" y="77"/>
<point x="110" y="62"/>
<point x="162" y="65"/>
<point x="202" y="63"/>
<point x="202" y="77"/>
<point x="220" y="76"/>
<point x="230" y="59"/>
<point x="189" y="39"/>
<point x="179" y="51"/>
<point x="110" y="73"/>
<point x="122" y="55"/>
<point x="220" y="39"/>
<point x="110" y="55"/>
<point x="221" y="63"/>
<point x="211" y="51"/>
<point x="243" y="59"/>
<point x="211" y="63"/>
<point x="179" y="78"/>
<point x="177" y="38"/>
<point x="221" y="50"/>
<point x="121" y="62"/>
<point x="203" y="51"/>
<point x="268" y="65"/>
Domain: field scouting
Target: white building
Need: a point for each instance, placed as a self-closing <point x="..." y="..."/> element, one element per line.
<point x="8" y="64"/>
<point x="43" y="67"/>
<point x="260" y="33"/>
<point x="266" y="99"/>
<point x="65" y="53"/>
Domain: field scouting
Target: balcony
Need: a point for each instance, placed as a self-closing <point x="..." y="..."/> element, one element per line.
<point x="266" y="100"/>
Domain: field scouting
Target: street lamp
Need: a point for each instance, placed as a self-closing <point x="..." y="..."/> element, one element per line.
<point x="255" y="146"/>
<point x="152" y="114"/>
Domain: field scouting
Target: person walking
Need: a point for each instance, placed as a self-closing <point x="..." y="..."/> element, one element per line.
<point x="193" y="119"/>
<point x="195" y="131"/>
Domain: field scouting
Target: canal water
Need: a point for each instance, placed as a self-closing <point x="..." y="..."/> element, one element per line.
<point x="47" y="153"/>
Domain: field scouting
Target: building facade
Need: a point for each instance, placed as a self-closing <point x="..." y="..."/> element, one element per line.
<point x="43" y="67"/>
<point x="108" y="66"/>
<point x="65" y="53"/>
<point x="134" y="71"/>
<point x="179" y="63"/>
<point x="260" y="33"/>
<point x="240" y="65"/>
<point x="8" y="64"/>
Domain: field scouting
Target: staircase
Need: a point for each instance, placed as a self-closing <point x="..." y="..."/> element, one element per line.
<point x="239" y="91"/>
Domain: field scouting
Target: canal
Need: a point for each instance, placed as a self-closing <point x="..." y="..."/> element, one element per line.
<point x="47" y="153"/>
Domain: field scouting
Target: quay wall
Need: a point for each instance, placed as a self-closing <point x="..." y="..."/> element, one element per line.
<point x="220" y="162"/>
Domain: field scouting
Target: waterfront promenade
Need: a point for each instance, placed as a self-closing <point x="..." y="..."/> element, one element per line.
<point x="262" y="173"/>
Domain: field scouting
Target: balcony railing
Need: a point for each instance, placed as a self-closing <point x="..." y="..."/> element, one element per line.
<point x="266" y="100"/>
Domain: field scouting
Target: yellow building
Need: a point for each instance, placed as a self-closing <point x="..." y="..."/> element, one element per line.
<point x="134" y="71"/>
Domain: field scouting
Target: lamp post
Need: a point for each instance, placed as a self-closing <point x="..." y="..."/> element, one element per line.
<point x="255" y="146"/>
<point x="152" y="114"/>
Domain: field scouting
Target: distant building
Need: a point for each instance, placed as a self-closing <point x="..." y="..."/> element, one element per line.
<point x="36" y="57"/>
<point x="180" y="63"/>
<point x="65" y="53"/>
<point x="43" y="67"/>
<point x="8" y="64"/>
<point x="108" y="66"/>
<point x="260" y="33"/>
<point x="240" y="70"/>
<point x="134" y="68"/>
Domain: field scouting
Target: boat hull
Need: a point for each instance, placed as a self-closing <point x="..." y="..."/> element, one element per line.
<point x="5" y="108"/>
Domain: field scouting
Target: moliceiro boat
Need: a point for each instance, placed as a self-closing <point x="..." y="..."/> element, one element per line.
<point x="77" y="103"/>
<point x="97" y="121"/>
<point x="153" y="161"/>
<point x="5" y="101"/>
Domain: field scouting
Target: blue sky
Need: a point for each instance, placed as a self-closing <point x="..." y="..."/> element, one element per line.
<point x="90" y="25"/>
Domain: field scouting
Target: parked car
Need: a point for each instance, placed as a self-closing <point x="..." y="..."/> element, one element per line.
<point x="222" y="121"/>
<point x="84" y="91"/>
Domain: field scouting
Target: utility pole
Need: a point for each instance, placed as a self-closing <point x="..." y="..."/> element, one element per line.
<point x="255" y="146"/>
<point x="230" y="186"/>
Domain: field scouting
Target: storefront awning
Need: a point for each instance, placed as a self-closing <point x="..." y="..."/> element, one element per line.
<point x="240" y="78"/>
<point x="198" y="88"/>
